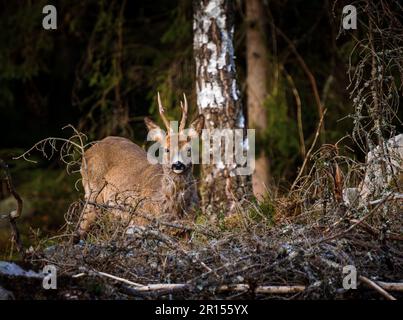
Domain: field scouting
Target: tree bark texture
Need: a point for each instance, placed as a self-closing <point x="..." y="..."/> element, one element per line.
<point x="218" y="99"/>
<point x="257" y="84"/>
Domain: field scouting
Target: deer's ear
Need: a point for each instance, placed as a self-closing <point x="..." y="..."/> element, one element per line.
<point x="155" y="133"/>
<point x="197" y="126"/>
<point x="151" y="125"/>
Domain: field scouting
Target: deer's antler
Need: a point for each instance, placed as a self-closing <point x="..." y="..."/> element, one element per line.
<point x="162" y="112"/>
<point x="184" y="107"/>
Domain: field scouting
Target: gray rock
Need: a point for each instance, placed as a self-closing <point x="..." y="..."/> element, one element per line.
<point x="375" y="181"/>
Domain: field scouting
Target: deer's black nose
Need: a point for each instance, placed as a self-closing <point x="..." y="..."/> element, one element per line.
<point x="179" y="166"/>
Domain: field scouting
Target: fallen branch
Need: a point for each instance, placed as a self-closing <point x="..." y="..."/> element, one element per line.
<point x="242" y="287"/>
<point x="392" y="286"/>
<point x="262" y="289"/>
<point x="224" y="288"/>
<point x="376" y="287"/>
<point x="163" y="286"/>
<point x="136" y="287"/>
<point x="110" y="276"/>
<point x="370" y="283"/>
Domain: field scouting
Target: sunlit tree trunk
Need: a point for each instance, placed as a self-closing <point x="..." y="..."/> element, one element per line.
<point x="257" y="73"/>
<point x="218" y="99"/>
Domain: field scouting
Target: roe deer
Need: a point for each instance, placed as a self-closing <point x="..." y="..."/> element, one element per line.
<point x="116" y="171"/>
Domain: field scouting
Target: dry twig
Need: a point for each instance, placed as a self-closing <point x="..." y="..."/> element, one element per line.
<point x="15" y="214"/>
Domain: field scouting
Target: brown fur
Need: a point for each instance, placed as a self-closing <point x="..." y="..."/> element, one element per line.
<point x="116" y="172"/>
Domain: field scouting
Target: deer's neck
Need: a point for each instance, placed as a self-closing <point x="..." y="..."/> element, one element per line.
<point x="179" y="195"/>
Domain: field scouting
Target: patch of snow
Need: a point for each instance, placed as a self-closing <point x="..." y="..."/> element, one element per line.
<point x="12" y="269"/>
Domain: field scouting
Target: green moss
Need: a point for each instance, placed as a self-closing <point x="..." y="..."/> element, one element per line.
<point x="262" y="211"/>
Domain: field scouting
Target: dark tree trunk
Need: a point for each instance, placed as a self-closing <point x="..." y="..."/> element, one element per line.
<point x="218" y="99"/>
<point x="257" y="82"/>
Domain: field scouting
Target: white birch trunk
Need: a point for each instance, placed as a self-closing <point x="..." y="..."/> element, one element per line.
<point x="218" y="99"/>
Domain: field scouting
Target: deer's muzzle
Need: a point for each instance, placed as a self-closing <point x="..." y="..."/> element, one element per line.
<point x="178" y="167"/>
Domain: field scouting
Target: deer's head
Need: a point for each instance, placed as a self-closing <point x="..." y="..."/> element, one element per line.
<point x="176" y="141"/>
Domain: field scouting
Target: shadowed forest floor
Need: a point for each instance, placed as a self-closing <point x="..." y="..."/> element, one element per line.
<point x="241" y="258"/>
